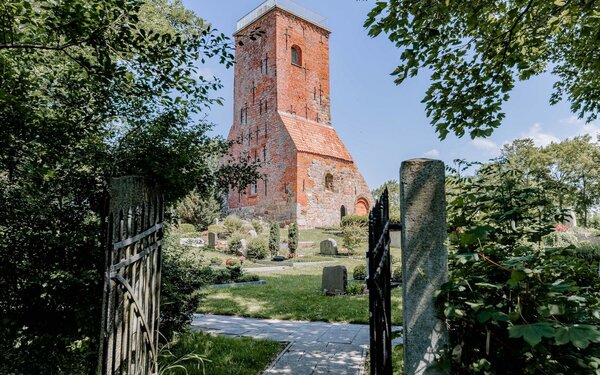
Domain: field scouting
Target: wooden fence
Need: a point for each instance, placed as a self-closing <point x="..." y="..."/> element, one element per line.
<point x="132" y="290"/>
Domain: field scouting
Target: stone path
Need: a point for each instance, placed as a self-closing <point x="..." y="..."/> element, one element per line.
<point x="314" y="347"/>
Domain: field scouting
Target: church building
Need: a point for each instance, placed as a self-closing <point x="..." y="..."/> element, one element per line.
<point x="282" y="118"/>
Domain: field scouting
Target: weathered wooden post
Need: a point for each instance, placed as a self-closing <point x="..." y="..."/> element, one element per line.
<point x="424" y="262"/>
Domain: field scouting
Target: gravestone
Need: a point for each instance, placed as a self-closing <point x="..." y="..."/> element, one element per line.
<point x="212" y="239"/>
<point x="192" y="242"/>
<point x="216" y="222"/>
<point x="252" y="233"/>
<point x="243" y="251"/>
<point x="329" y="247"/>
<point x="334" y="280"/>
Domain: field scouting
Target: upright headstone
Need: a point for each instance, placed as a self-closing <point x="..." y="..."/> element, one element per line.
<point x="243" y="251"/>
<point x="334" y="280"/>
<point x="328" y="247"/>
<point x="424" y="262"/>
<point x="252" y="233"/>
<point x="212" y="240"/>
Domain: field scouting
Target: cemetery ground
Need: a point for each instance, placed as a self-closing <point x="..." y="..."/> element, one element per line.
<point x="290" y="293"/>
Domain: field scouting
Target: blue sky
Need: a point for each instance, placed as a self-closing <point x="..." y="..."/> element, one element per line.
<point x="381" y="123"/>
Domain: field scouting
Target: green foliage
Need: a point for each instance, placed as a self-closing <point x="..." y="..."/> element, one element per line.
<point x="234" y="243"/>
<point x="397" y="274"/>
<point x="293" y="238"/>
<point x="91" y="91"/>
<point x="216" y="228"/>
<point x="355" y="289"/>
<point x="512" y="305"/>
<point x="182" y="275"/>
<point x="360" y="272"/>
<point x="232" y="225"/>
<point x="394" y="198"/>
<point x="349" y="220"/>
<point x="476" y="53"/>
<point x="257" y="225"/>
<point x="274" y="237"/>
<point x="352" y="236"/>
<point x="216" y="261"/>
<point x="258" y="248"/>
<point x="199" y="211"/>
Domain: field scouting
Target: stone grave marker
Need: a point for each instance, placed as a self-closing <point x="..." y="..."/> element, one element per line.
<point x="243" y="251"/>
<point x="252" y="233"/>
<point x="329" y="247"/>
<point x="192" y="242"/>
<point x="335" y="279"/>
<point x="212" y="239"/>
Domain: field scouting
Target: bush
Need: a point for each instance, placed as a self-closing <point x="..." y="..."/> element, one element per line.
<point x="535" y="308"/>
<point x="186" y="228"/>
<point x="233" y="262"/>
<point x="274" y="238"/>
<point x="561" y="239"/>
<point x="397" y="274"/>
<point x="216" y="228"/>
<point x="198" y="211"/>
<point x="293" y="239"/>
<point x="182" y="277"/>
<point x="258" y="226"/>
<point x="216" y="261"/>
<point x="232" y="225"/>
<point x="258" y="248"/>
<point x="362" y="221"/>
<point x="234" y="244"/>
<point x="352" y="236"/>
<point x="355" y="288"/>
<point x="360" y="272"/>
<point x="248" y="278"/>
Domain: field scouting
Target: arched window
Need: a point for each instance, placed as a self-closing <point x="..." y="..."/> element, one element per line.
<point x="296" y="55"/>
<point x="329" y="181"/>
<point x="342" y="212"/>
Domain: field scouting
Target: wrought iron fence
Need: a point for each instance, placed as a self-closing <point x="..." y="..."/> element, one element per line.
<point x="378" y="282"/>
<point x="132" y="290"/>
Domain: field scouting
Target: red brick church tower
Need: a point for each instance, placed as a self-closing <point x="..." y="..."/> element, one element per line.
<point x="282" y="118"/>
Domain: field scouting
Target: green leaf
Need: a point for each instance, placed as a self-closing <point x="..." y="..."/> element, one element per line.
<point x="579" y="335"/>
<point x="532" y="333"/>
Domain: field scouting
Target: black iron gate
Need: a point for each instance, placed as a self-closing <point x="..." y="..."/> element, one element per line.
<point x="378" y="282"/>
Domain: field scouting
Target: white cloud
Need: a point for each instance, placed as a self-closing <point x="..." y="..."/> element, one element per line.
<point x="432" y="154"/>
<point x="539" y="137"/>
<point x="581" y="128"/>
<point x="486" y="145"/>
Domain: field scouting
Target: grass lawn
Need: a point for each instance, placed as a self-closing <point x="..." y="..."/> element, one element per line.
<point x="224" y="355"/>
<point x="294" y="294"/>
<point x="397" y="361"/>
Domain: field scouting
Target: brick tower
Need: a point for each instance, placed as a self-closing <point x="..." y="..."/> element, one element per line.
<point x="282" y="118"/>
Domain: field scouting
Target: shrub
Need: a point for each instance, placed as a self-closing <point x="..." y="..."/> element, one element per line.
<point x="234" y="244"/>
<point x="352" y="236"/>
<point x="397" y="274"/>
<point x="216" y="261"/>
<point x="198" y="211"/>
<point x="274" y="238"/>
<point x="186" y="228"/>
<point x="362" y="221"/>
<point x="355" y="288"/>
<point x="216" y="228"/>
<point x="248" y="278"/>
<point x="360" y="272"/>
<point x="560" y="239"/>
<point x="232" y="262"/>
<point x="232" y="224"/>
<point x="257" y="225"/>
<point x="182" y="277"/>
<point x="293" y="239"/>
<point x="258" y="248"/>
<point x="535" y="308"/>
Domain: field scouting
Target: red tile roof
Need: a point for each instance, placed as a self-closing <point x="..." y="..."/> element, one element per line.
<point x="309" y="136"/>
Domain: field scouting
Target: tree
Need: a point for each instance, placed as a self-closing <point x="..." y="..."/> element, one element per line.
<point x="293" y="239"/>
<point x="393" y="195"/>
<point x="274" y="237"/>
<point x="89" y="91"/>
<point x="476" y="51"/>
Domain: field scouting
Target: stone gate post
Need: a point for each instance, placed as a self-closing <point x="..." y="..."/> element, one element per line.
<point x="424" y="262"/>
